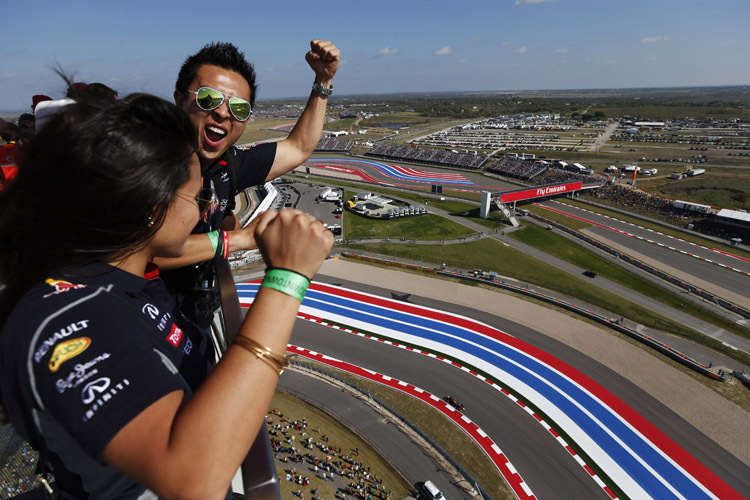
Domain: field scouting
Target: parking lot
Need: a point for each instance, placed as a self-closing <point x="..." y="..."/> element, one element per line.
<point x="305" y="197"/>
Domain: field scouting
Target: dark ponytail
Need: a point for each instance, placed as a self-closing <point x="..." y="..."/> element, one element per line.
<point x="94" y="184"/>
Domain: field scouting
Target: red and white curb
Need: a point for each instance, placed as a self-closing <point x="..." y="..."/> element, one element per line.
<point x="492" y="450"/>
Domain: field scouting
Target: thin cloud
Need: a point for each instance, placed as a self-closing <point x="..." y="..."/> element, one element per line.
<point x="654" y="39"/>
<point x="445" y="51"/>
<point x="529" y="2"/>
<point x="505" y="44"/>
<point x="521" y="50"/>
<point x="16" y="52"/>
<point x="387" y="51"/>
<point x="562" y="51"/>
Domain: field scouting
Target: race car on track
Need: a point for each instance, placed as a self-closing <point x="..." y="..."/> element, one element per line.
<point x="455" y="404"/>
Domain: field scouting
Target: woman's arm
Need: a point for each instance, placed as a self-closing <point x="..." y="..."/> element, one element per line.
<point x="191" y="448"/>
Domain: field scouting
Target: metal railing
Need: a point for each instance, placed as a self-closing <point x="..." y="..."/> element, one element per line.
<point x="259" y="477"/>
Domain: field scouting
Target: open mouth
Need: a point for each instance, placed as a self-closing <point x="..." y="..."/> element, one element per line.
<point x="214" y="135"/>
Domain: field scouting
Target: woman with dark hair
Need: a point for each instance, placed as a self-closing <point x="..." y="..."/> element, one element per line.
<point x="98" y="368"/>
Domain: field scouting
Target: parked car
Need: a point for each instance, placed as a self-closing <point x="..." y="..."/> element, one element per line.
<point x="428" y="491"/>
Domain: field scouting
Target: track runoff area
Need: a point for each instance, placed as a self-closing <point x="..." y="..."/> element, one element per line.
<point x="640" y="459"/>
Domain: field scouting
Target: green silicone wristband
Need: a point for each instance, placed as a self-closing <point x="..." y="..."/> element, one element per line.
<point x="213" y="236"/>
<point x="285" y="281"/>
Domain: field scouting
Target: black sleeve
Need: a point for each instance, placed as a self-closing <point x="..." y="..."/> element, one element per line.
<point x="253" y="164"/>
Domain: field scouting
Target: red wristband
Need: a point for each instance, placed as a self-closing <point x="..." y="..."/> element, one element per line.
<point x="225" y="252"/>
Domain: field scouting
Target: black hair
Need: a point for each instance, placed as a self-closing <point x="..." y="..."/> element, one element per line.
<point x="89" y="186"/>
<point x="99" y="91"/>
<point x="223" y="55"/>
<point x="11" y="134"/>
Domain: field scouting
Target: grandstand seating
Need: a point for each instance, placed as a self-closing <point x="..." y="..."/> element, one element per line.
<point x="517" y="168"/>
<point x="428" y="156"/>
<point x="333" y="145"/>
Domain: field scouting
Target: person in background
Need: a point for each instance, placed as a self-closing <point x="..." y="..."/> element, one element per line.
<point x="46" y="108"/>
<point x="99" y="91"/>
<point x="35" y="100"/>
<point x="10" y="155"/>
<point x="99" y="370"/>
<point x="26" y="127"/>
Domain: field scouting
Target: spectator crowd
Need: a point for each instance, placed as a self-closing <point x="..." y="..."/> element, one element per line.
<point x="428" y="156"/>
<point x="306" y="460"/>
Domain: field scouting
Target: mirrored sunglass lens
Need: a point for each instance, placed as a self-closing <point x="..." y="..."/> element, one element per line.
<point x="240" y="108"/>
<point x="209" y="99"/>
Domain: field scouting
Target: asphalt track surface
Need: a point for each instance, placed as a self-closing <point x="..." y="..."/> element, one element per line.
<point x="723" y="267"/>
<point x="518" y="435"/>
<point x="394" y="445"/>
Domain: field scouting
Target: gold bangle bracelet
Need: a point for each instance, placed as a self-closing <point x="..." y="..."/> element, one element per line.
<point x="275" y="361"/>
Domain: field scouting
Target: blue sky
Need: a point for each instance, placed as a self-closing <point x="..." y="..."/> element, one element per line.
<point x="387" y="46"/>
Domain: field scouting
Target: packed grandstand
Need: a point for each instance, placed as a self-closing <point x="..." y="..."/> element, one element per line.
<point x="428" y="156"/>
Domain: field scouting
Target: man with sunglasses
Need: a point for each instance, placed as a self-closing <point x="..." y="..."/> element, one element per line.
<point x="216" y="87"/>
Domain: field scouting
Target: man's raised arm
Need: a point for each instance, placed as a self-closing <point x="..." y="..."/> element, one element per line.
<point x="323" y="58"/>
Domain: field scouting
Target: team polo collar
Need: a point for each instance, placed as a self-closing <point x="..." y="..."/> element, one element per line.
<point x="103" y="274"/>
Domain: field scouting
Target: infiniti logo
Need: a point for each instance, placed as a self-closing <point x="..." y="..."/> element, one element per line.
<point x="151" y="310"/>
<point x="92" y="390"/>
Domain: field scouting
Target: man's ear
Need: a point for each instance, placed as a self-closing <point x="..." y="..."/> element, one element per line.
<point x="179" y="98"/>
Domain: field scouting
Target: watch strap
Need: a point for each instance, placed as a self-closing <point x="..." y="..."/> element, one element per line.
<point x="326" y="91"/>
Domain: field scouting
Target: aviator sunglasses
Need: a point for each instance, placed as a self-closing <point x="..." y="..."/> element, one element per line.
<point x="204" y="200"/>
<point x="209" y="99"/>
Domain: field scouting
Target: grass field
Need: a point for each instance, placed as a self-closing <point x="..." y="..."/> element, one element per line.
<point x="424" y="227"/>
<point x="718" y="191"/>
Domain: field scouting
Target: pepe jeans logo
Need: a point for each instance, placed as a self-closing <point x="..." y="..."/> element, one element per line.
<point x="67" y="350"/>
<point x="80" y="373"/>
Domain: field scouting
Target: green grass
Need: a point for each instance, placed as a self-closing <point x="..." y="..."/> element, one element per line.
<point x="424" y="227"/>
<point x="569" y="251"/>
<point x="719" y="192"/>
<point x="428" y="227"/>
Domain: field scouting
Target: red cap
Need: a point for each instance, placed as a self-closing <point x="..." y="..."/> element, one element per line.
<point x="37" y="99"/>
